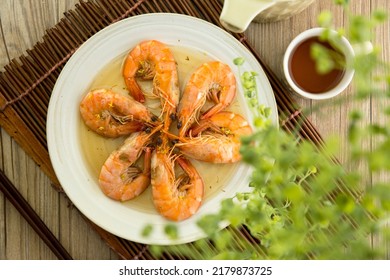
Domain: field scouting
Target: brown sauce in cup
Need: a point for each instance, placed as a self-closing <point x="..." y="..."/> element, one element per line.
<point x="303" y="71"/>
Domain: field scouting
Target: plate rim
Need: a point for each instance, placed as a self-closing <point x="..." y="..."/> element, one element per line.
<point x="52" y="106"/>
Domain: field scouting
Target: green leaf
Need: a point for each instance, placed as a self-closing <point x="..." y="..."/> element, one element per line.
<point x="345" y="203"/>
<point x="322" y="56"/>
<point x="294" y="192"/>
<point x="223" y="240"/>
<point x="341" y="2"/>
<point x="355" y="115"/>
<point x="239" y="61"/>
<point x="360" y="29"/>
<point x="147" y="230"/>
<point x="232" y="212"/>
<point x="379" y="158"/>
<point x="171" y="231"/>
<point x="209" y="223"/>
<point x="325" y="19"/>
<point x="379" y="16"/>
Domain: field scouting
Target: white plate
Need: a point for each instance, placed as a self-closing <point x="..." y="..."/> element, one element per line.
<point x="63" y="119"/>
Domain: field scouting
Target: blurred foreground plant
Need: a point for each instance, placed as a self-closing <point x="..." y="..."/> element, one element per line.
<point x="303" y="204"/>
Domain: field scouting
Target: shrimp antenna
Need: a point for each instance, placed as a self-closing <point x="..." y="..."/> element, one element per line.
<point x="170" y="135"/>
<point x="155" y="129"/>
<point x="174" y="157"/>
<point x="151" y="95"/>
<point x="165" y="97"/>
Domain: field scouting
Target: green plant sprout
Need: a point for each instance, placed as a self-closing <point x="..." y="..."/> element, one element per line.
<point x="303" y="204"/>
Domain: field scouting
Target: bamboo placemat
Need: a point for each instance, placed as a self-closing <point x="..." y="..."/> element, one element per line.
<point x="27" y="83"/>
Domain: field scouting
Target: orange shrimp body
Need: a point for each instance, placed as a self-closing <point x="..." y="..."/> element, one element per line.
<point x="216" y="139"/>
<point x="226" y="123"/>
<point x="193" y="99"/>
<point x="213" y="80"/>
<point x="153" y="60"/>
<point x="178" y="198"/>
<point x="119" y="179"/>
<point x="218" y="81"/>
<point x="112" y="114"/>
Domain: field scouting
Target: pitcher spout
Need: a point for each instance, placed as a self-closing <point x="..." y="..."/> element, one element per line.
<point x="236" y="15"/>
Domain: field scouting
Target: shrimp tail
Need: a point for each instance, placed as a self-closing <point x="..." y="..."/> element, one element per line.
<point x="212" y="111"/>
<point x="142" y="181"/>
<point x="186" y="166"/>
<point x="147" y="161"/>
<point x="135" y="90"/>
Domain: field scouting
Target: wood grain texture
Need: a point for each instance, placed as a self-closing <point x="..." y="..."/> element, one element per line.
<point x="23" y="23"/>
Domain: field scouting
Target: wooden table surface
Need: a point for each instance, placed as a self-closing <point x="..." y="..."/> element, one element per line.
<point x="23" y="23"/>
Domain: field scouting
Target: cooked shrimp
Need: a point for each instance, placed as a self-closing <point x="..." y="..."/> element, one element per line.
<point x="212" y="80"/>
<point x="119" y="178"/>
<point x="112" y="114"/>
<point x="153" y="60"/>
<point x="175" y="198"/>
<point x="226" y="123"/>
<point x="217" y="81"/>
<point x="216" y="139"/>
<point x="193" y="99"/>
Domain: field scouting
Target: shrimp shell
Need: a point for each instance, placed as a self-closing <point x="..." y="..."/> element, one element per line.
<point x="112" y="114"/>
<point x="119" y="179"/>
<point x="175" y="198"/>
<point x="216" y="139"/>
<point x="154" y="60"/>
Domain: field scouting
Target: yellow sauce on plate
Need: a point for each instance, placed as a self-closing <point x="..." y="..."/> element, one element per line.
<point x="97" y="148"/>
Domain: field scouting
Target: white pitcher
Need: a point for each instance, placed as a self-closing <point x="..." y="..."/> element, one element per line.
<point x="236" y="15"/>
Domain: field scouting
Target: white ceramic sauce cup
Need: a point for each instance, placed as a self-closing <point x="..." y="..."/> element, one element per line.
<point x="346" y="49"/>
